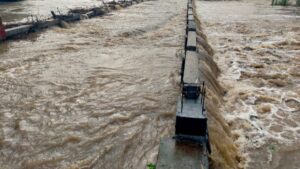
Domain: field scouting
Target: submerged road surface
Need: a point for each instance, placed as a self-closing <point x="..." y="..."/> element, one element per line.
<point x="99" y="94"/>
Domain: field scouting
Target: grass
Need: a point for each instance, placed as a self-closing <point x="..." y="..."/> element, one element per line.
<point x="151" y="166"/>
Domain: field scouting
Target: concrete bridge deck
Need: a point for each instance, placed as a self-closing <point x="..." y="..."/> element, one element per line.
<point x="175" y="155"/>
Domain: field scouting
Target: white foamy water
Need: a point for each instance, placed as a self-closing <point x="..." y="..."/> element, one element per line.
<point x="258" y="51"/>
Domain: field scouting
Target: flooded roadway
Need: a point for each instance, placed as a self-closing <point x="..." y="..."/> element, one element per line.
<point x="258" y="51"/>
<point x="99" y="94"/>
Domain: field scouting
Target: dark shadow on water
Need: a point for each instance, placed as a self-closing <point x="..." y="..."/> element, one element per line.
<point x="295" y="11"/>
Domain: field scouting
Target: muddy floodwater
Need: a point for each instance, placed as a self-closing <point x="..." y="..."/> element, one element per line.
<point x="257" y="48"/>
<point x="99" y="94"/>
<point x="25" y="9"/>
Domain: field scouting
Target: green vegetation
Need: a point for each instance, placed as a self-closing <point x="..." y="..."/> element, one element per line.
<point x="151" y="166"/>
<point x="298" y="2"/>
<point x="281" y="2"/>
<point x="272" y="147"/>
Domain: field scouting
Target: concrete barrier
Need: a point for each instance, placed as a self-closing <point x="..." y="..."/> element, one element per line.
<point x="191" y="26"/>
<point x="191" y="41"/>
<point x="191" y="81"/>
<point x="181" y="155"/>
<point x="191" y="18"/>
<point x="190" y="147"/>
<point x="191" y="119"/>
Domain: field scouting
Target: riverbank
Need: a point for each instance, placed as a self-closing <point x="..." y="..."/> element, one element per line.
<point x="257" y="48"/>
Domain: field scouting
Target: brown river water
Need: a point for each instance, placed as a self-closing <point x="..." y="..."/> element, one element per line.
<point x="24" y="9"/>
<point x="99" y="94"/>
<point x="257" y="48"/>
<point x="103" y="92"/>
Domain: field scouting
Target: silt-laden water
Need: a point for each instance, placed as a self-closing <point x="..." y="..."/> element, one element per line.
<point x="99" y="94"/>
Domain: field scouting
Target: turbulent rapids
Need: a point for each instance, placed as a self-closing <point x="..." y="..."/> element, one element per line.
<point x="257" y="48"/>
<point x="100" y="94"/>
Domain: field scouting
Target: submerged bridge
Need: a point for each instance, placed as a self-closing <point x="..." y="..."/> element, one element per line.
<point x="190" y="147"/>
